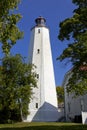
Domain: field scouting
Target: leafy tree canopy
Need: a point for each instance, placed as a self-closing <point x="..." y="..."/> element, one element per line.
<point x="60" y="94"/>
<point x="16" y="82"/>
<point x="74" y="30"/>
<point x="9" y="32"/>
<point x="16" y="77"/>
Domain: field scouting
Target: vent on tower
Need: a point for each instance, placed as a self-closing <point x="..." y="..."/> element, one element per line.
<point x="40" y="21"/>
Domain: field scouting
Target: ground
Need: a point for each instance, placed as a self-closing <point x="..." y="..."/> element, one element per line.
<point x="43" y="126"/>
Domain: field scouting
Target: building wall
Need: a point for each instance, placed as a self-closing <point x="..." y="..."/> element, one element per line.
<point x="73" y="106"/>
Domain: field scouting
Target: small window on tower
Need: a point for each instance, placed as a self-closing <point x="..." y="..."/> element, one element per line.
<point x="37" y="76"/>
<point x="38" y="30"/>
<point x="38" y="51"/>
<point x="36" y="105"/>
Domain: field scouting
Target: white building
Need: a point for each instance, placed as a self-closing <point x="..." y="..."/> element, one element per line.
<point x="74" y="107"/>
<point x="43" y="106"/>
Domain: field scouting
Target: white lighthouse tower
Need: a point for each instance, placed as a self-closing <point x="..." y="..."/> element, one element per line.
<point x="43" y="105"/>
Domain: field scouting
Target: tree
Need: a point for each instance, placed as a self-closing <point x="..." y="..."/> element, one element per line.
<point x="60" y="94"/>
<point x="16" y="82"/>
<point x="16" y="77"/>
<point x="9" y="32"/>
<point x="74" y="30"/>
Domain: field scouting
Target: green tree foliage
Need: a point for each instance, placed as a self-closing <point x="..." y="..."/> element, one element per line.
<point x="16" y="82"/>
<point x="60" y="94"/>
<point x="9" y="32"/>
<point x="74" y="30"/>
<point x="16" y="77"/>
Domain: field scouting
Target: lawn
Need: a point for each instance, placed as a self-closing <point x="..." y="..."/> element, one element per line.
<point x="43" y="126"/>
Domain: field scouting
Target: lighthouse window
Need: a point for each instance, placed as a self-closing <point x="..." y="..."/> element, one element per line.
<point x="38" y="30"/>
<point x="37" y="76"/>
<point x="38" y="51"/>
<point x="36" y="105"/>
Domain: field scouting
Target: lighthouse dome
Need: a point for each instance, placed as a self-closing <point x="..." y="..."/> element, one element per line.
<point x="40" y="21"/>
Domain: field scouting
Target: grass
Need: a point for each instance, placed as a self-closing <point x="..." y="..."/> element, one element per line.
<point x="43" y="126"/>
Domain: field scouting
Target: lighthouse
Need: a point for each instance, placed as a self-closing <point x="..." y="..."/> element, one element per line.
<point x="43" y="105"/>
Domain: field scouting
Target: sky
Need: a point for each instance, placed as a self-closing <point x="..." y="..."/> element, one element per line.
<point x="54" y="11"/>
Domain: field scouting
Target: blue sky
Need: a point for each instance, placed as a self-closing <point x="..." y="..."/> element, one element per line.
<point x="54" y="11"/>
